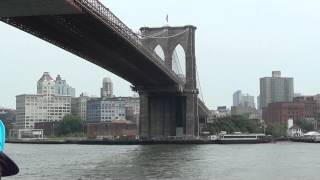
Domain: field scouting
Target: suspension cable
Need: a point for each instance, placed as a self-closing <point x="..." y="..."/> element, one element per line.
<point x="154" y="35"/>
<point x="157" y="36"/>
<point x="200" y="89"/>
<point x="177" y="59"/>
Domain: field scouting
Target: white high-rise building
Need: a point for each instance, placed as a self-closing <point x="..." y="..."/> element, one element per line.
<point x="245" y="100"/>
<point x="46" y="85"/>
<point x="275" y="89"/>
<point x="248" y="101"/>
<point x="237" y="96"/>
<point x="107" y="88"/>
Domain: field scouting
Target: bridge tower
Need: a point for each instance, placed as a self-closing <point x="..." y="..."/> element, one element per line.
<point x="165" y="113"/>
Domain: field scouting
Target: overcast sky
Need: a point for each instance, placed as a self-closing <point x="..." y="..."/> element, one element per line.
<point x="237" y="42"/>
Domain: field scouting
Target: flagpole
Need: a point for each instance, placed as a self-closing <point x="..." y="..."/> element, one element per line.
<point x="167" y="20"/>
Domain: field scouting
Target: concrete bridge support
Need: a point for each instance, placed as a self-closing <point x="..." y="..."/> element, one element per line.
<point x="162" y="115"/>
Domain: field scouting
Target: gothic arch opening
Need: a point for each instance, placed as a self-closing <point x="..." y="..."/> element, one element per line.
<point x="179" y="61"/>
<point x="159" y="51"/>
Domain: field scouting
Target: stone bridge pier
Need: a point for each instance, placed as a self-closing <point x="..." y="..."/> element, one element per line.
<point x="171" y="111"/>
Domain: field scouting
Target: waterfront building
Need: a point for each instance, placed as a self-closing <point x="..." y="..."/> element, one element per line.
<point x="312" y="109"/>
<point x="275" y="89"/>
<point x="40" y="108"/>
<point x="109" y="109"/>
<point x="112" y="130"/>
<point x="79" y="106"/>
<point x="107" y="88"/>
<point x="295" y="132"/>
<point x="62" y="88"/>
<point x="310" y="104"/>
<point x="280" y="112"/>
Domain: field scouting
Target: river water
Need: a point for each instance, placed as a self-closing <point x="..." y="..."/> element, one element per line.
<point x="283" y="161"/>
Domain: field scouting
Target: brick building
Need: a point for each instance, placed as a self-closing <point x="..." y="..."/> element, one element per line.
<point x="280" y="112"/>
<point x="112" y="129"/>
<point x="312" y="108"/>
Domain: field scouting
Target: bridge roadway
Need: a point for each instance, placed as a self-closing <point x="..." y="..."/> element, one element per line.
<point x="91" y="31"/>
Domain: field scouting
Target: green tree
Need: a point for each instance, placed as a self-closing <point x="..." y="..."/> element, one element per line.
<point x="235" y="123"/>
<point x="277" y="130"/>
<point x="305" y="125"/>
<point x="69" y="125"/>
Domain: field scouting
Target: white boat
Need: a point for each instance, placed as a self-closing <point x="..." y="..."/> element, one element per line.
<point x="239" y="138"/>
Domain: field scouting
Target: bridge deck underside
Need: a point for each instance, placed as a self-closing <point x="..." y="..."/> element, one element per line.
<point x="85" y="36"/>
<point x="14" y="8"/>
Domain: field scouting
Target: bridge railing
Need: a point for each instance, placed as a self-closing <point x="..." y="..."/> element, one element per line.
<point x="104" y="14"/>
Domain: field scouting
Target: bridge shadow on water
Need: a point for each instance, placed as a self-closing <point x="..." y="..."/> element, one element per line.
<point x="147" y="162"/>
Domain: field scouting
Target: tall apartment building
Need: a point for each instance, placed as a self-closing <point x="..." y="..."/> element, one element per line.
<point x="275" y="89"/>
<point x="248" y="101"/>
<point x="237" y="96"/>
<point x="240" y="99"/>
<point x="107" y="88"/>
<point x="45" y="106"/>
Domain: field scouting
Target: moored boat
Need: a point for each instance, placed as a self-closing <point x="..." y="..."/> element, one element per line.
<point x="239" y="138"/>
<point x="310" y="137"/>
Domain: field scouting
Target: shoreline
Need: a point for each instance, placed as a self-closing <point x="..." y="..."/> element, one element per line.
<point x="134" y="142"/>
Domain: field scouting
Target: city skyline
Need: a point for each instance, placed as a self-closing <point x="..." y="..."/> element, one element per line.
<point x="271" y="43"/>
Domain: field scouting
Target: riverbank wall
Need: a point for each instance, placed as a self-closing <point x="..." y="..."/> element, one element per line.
<point x="128" y="142"/>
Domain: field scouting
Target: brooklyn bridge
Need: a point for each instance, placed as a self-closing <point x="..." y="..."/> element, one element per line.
<point x="170" y="104"/>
